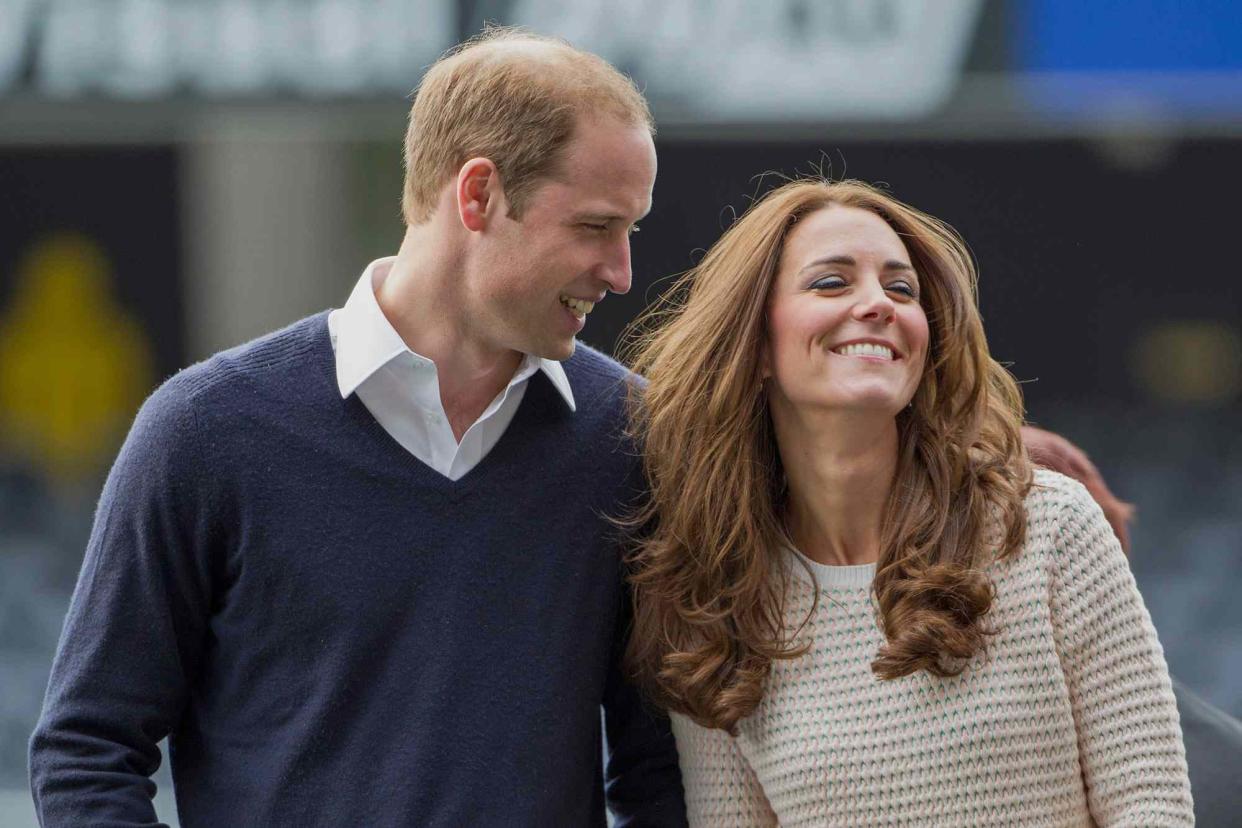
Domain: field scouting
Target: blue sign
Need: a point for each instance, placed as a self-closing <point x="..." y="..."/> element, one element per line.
<point x="1130" y="57"/>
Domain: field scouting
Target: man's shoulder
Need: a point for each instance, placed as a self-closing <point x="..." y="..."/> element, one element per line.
<point x="229" y="393"/>
<point x="594" y="370"/>
<point x="283" y="359"/>
<point x="604" y="391"/>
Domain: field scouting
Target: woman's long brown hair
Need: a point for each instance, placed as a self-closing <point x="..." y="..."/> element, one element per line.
<point x="707" y="573"/>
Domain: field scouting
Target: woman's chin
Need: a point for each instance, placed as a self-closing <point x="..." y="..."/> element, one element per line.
<point x="854" y="417"/>
<point x="871" y="402"/>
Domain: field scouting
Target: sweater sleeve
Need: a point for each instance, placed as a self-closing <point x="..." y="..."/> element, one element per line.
<point x="643" y="782"/>
<point x="1129" y="738"/>
<point x="722" y="790"/>
<point x="133" y="633"/>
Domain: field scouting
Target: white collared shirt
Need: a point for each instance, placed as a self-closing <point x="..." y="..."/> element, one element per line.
<point x="401" y="388"/>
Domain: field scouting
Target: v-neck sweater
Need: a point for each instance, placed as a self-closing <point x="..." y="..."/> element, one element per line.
<point x="332" y="633"/>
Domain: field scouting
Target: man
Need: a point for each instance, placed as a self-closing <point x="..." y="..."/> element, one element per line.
<point x="360" y="571"/>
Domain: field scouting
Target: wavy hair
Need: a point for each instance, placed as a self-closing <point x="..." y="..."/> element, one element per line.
<point x="708" y="582"/>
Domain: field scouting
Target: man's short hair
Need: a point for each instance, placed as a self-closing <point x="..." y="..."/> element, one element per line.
<point x="513" y="97"/>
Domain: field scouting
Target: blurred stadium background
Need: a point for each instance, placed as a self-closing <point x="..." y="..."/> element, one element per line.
<point x="179" y="176"/>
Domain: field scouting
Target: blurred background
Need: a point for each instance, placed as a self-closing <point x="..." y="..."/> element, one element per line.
<point x="177" y="177"/>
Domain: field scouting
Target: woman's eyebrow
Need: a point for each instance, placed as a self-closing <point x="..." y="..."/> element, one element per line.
<point x="891" y="264"/>
<point x="841" y="260"/>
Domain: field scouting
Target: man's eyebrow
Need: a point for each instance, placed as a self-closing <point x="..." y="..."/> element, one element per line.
<point x="603" y="218"/>
<point x="891" y="264"/>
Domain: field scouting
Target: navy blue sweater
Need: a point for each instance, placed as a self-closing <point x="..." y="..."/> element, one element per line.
<point x="331" y="633"/>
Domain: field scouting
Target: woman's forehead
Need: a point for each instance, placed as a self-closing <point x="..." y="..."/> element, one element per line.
<point x="838" y="230"/>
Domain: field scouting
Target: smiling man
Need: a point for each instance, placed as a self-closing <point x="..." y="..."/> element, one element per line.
<point x="359" y="571"/>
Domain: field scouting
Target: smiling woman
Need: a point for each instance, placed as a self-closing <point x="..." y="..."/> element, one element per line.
<point x="750" y="355"/>
<point x="823" y="420"/>
<point x="846" y="294"/>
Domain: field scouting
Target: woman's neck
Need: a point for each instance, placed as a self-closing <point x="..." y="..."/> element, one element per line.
<point x="839" y="467"/>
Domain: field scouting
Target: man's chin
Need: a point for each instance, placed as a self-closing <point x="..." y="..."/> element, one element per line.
<point x="561" y="351"/>
<point x="557" y="350"/>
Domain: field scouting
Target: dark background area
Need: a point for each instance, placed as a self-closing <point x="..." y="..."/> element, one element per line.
<point x="124" y="199"/>
<point x="1088" y="153"/>
<point x="1080" y="253"/>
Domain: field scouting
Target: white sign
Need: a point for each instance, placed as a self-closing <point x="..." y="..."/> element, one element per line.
<point x="146" y="48"/>
<point x="749" y="60"/>
<point x="709" y="60"/>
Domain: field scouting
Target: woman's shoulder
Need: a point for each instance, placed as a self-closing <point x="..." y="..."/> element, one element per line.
<point x="1061" y="514"/>
<point x="1052" y="493"/>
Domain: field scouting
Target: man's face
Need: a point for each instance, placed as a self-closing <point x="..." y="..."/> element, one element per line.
<point x="539" y="277"/>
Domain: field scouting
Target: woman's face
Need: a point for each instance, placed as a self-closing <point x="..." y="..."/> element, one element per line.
<point x="846" y="329"/>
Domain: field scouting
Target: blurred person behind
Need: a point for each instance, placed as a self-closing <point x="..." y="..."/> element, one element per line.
<point x="840" y="494"/>
<point x="357" y="570"/>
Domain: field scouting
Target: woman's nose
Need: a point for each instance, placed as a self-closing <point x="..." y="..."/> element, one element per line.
<point x="875" y="306"/>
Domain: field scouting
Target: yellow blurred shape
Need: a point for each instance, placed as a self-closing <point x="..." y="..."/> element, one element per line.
<point x="1190" y="361"/>
<point x="74" y="365"/>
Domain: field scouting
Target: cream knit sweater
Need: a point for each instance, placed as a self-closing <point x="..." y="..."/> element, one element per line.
<point x="1068" y="718"/>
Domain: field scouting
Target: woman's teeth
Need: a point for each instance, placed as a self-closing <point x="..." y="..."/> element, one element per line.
<point x="864" y="349"/>
<point x="579" y="306"/>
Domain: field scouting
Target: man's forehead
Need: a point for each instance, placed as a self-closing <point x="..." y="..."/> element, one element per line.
<point x="609" y="172"/>
<point x="613" y="211"/>
<point x="595" y="201"/>
<point x="606" y="141"/>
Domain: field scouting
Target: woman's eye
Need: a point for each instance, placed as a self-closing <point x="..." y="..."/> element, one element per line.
<point x="828" y="283"/>
<point x="904" y="288"/>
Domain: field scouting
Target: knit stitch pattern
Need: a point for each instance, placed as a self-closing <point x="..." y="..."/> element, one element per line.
<point x="1068" y="718"/>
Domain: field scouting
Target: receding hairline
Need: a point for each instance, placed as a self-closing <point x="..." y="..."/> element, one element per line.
<point x="524" y="45"/>
<point x="516" y="97"/>
<point x="526" y="51"/>
<point x="518" y="48"/>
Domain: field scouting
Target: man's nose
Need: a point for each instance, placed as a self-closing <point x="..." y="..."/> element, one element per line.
<point x="617" y="273"/>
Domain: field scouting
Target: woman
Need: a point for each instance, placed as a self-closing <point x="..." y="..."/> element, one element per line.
<point x="860" y="603"/>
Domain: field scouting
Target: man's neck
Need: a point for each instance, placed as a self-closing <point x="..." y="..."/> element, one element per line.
<point x="419" y="297"/>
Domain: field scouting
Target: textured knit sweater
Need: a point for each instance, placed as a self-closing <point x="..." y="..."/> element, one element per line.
<point x="331" y="633"/>
<point x="1067" y="719"/>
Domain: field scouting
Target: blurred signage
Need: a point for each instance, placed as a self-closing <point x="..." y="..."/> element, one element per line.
<point x="782" y="60"/>
<point x="74" y="362"/>
<point x="1135" y="60"/>
<point x="715" y="60"/>
<point x="150" y="48"/>
<point x="90" y="303"/>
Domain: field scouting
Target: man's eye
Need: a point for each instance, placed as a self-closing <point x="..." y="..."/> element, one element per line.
<point x="828" y="283"/>
<point x="597" y="228"/>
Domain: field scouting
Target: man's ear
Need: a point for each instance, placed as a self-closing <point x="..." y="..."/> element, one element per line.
<point x="479" y="195"/>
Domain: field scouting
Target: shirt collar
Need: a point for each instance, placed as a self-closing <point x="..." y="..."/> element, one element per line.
<point x="366" y="341"/>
